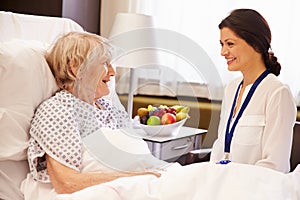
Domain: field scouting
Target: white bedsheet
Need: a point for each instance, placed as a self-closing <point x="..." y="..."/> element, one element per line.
<point x="200" y="181"/>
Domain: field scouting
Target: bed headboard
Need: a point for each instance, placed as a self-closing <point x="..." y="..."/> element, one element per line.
<point x="32" y="27"/>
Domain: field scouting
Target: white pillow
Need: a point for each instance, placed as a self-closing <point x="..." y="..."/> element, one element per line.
<point x="121" y="149"/>
<point x="25" y="81"/>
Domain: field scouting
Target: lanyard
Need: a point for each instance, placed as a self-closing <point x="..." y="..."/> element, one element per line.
<point x="229" y="133"/>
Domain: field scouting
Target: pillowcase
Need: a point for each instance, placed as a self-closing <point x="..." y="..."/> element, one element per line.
<point x="26" y="81"/>
<point x="121" y="149"/>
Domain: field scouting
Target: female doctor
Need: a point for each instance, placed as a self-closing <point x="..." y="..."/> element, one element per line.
<point x="258" y="111"/>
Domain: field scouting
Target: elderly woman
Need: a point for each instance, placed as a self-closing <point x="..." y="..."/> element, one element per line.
<point x="58" y="160"/>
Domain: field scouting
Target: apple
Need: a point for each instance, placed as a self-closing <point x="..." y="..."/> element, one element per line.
<point x="153" y="120"/>
<point x="168" y="118"/>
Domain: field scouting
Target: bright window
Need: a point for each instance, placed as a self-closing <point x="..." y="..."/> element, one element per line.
<point x="198" y="20"/>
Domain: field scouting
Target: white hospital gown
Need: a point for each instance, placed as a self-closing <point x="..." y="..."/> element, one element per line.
<point x="58" y="126"/>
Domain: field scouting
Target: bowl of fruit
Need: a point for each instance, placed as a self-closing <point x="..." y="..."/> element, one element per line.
<point x="162" y="120"/>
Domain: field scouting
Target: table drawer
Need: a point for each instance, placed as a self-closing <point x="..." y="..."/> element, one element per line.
<point x="176" y="148"/>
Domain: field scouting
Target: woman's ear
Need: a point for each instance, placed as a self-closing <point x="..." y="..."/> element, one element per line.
<point x="73" y="67"/>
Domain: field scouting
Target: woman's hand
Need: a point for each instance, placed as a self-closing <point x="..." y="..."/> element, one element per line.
<point x="66" y="180"/>
<point x="146" y="173"/>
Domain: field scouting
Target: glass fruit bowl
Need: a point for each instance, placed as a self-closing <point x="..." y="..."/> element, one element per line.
<point x="163" y="130"/>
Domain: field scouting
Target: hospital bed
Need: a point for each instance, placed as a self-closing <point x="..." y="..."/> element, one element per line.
<point x="26" y="81"/>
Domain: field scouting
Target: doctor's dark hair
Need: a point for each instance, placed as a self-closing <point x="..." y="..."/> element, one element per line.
<point x="249" y="25"/>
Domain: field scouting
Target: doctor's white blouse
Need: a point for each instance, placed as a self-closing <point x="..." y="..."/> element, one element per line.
<point x="263" y="136"/>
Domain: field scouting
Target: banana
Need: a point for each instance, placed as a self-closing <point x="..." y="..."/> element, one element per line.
<point x="185" y="109"/>
<point x="181" y="116"/>
<point x="177" y="108"/>
<point x="150" y="107"/>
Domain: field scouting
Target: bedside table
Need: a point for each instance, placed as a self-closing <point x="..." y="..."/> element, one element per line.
<point x="171" y="148"/>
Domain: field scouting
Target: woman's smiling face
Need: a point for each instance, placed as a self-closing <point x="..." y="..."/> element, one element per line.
<point x="238" y="53"/>
<point x="102" y="88"/>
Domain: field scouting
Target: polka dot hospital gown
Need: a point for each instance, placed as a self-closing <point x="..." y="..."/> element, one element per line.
<point x="58" y="126"/>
